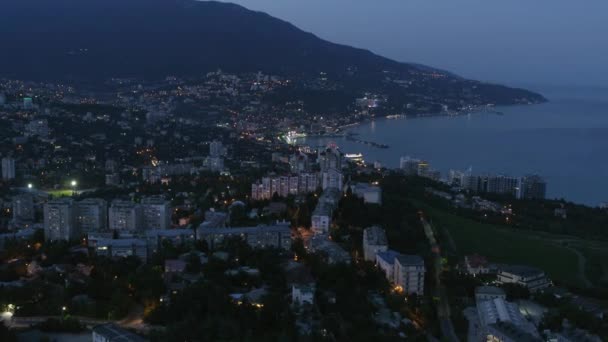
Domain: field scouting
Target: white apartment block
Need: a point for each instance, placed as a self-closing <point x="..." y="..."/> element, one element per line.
<point x="374" y="241"/>
<point x="332" y="179"/>
<point x="409" y="273"/>
<point x="156" y="213"/>
<point x="8" y="168"/>
<point x="284" y="186"/>
<point x="92" y="215"/>
<point x="60" y="220"/>
<point x="405" y="271"/>
<point x="125" y="216"/>
<point x="321" y="219"/>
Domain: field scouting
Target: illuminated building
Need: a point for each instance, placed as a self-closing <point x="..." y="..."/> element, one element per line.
<point x="60" y="220"/>
<point x="8" y="168"/>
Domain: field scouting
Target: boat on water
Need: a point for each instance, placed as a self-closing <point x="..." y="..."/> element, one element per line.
<point x="354" y="156"/>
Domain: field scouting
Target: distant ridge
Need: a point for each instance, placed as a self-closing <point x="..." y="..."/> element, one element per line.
<point x="89" y="40"/>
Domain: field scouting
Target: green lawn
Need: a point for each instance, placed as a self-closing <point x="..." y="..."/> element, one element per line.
<point x="501" y="245"/>
<point x="59" y="192"/>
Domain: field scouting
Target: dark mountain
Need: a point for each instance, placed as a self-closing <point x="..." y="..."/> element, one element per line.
<point x="87" y="40"/>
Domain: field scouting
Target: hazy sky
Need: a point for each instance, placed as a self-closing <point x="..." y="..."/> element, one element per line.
<point x="540" y="42"/>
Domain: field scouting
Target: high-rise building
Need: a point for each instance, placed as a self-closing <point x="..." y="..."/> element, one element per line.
<point x="409" y="165"/>
<point x="333" y="179"/>
<point x="215" y="164"/>
<point x="92" y="215"/>
<point x="330" y="158"/>
<point x="23" y="207"/>
<point x="8" y="168"/>
<point x="156" y="213"/>
<point x="216" y="149"/>
<point x="409" y="273"/>
<point x="60" y="220"/>
<point x="125" y="216"/>
<point x="533" y="187"/>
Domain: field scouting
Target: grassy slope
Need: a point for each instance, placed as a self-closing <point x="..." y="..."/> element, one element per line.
<point x="506" y="246"/>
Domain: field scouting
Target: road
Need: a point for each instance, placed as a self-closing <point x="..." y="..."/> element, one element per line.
<point x="443" y="306"/>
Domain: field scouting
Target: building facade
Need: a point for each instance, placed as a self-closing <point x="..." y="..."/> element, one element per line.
<point x="8" y="168"/>
<point x="531" y="278"/>
<point x="374" y="241"/>
<point x="60" y="220"/>
<point x="92" y="215"/>
<point x="156" y="213"/>
<point x="409" y="273"/>
<point x="125" y="216"/>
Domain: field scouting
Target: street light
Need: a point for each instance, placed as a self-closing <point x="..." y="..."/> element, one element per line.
<point x="30" y="186"/>
<point x="73" y="183"/>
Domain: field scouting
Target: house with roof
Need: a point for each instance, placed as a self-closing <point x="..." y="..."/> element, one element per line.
<point x="532" y="278"/>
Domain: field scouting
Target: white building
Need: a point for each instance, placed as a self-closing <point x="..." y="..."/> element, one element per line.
<point x="92" y="215"/>
<point x="303" y="294"/>
<point x="502" y="321"/>
<point x="156" y="213"/>
<point x="374" y="241"/>
<point x="332" y="179"/>
<point x="277" y="236"/>
<point x="409" y="273"/>
<point x="321" y="219"/>
<point x="529" y="277"/>
<point x="8" y="168"/>
<point x="60" y="220"/>
<point x="284" y="186"/>
<point x="406" y="272"/>
<point x="386" y="262"/>
<point x="125" y="216"/>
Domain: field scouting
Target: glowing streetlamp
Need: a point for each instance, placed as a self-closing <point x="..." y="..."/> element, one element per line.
<point x="73" y="183"/>
<point x="30" y="186"/>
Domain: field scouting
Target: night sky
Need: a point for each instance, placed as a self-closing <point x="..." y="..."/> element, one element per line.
<point x="521" y="42"/>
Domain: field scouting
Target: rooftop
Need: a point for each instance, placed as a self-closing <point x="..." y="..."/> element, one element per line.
<point x="410" y="260"/>
<point x="115" y="333"/>
<point x="489" y="290"/>
<point x="388" y="256"/>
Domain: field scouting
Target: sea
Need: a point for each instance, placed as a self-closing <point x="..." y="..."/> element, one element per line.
<point x="564" y="140"/>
